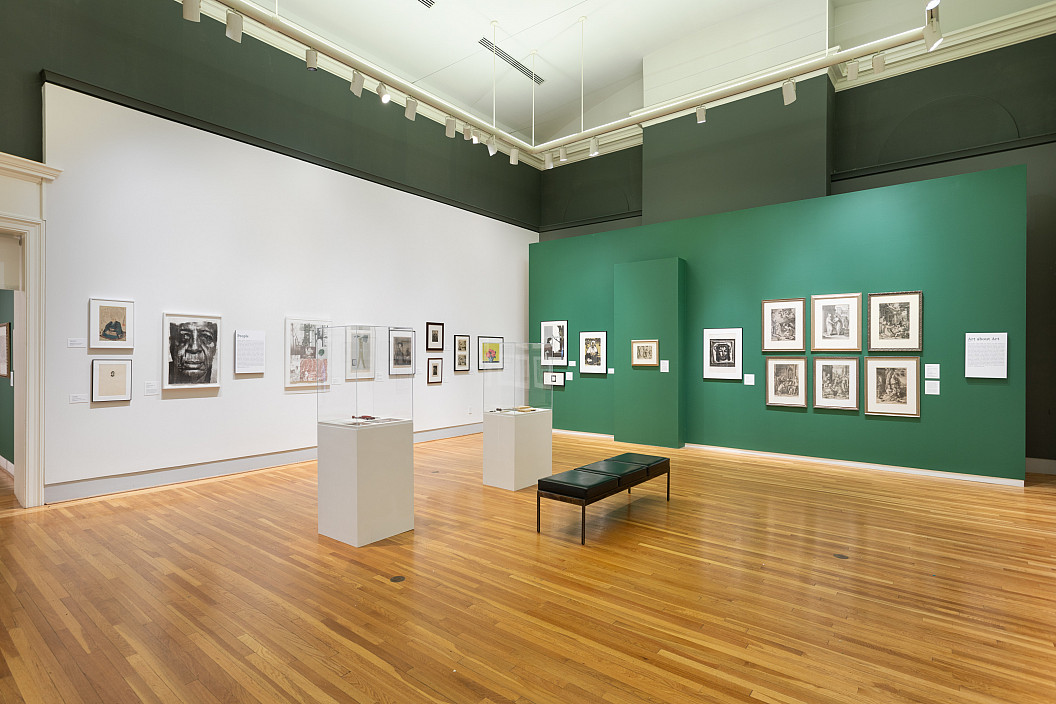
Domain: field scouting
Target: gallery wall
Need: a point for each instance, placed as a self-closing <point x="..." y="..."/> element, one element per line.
<point x="7" y="391"/>
<point x="182" y="221"/>
<point x="960" y="240"/>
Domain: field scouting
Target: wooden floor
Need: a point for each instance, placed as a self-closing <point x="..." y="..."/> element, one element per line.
<point x="760" y="581"/>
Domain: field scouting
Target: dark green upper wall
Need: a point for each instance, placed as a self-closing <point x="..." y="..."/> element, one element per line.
<point x="7" y="392"/>
<point x="603" y="189"/>
<point x="145" y="51"/>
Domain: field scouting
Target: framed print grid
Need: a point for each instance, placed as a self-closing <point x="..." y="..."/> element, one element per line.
<point x="111" y="380"/>
<point x="360" y="352"/>
<point x="786" y="381"/>
<point x="110" y="323"/>
<point x="836" y="383"/>
<point x="553" y="334"/>
<point x="645" y="353"/>
<point x="192" y="351"/>
<point x="461" y="353"/>
<point x="835" y="322"/>
<point x="307" y="352"/>
<point x="895" y="321"/>
<point x="593" y="353"/>
<point x="401" y="351"/>
<point x="434" y="337"/>
<point x="489" y="352"/>
<point x="5" y="350"/>
<point x="435" y="365"/>
<point x="892" y="386"/>
<point x="722" y="353"/>
<point x="784" y="325"/>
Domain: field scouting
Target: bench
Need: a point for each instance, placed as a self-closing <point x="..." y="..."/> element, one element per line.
<point x="599" y="480"/>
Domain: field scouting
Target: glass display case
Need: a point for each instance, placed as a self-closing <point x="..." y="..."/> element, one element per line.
<point x="362" y="388"/>
<point x="517" y="386"/>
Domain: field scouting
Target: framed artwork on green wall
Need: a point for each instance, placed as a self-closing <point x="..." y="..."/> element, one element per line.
<point x="836" y="383"/>
<point x="645" y="353"/>
<point x="786" y="381"/>
<point x="722" y="353"/>
<point x="892" y="386"/>
<point x="835" y="322"/>
<point x="553" y="334"/>
<point x="784" y="325"/>
<point x="895" y="321"/>
<point x="593" y="352"/>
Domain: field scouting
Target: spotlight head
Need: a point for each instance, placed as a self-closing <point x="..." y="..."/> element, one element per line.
<point x="235" y="22"/>
<point x="562" y="154"/>
<point x="702" y="115"/>
<point x="383" y="93"/>
<point x="515" y="156"/>
<point x="450" y="126"/>
<point x="192" y="10"/>
<point x="311" y="59"/>
<point x="493" y="146"/>
<point x="595" y="147"/>
<point x="467" y="132"/>
<point x="852" y="70"/>
<point x="788" y="91"/>
<point x="475" y="136"/>
<point x="356" y="84"/>
<point x="932" y="4"/>
<point x="548" y="160"/>
<point x="932" y="32"/>
<point x="878" y="62"/>
<point x="411" y="109"/>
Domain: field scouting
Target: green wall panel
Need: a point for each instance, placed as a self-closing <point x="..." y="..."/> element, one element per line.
<point x="7" y="392"/>
<point x="648" y="303"/>
<point x="607" y="187"/>
<point x="961" y="240"/>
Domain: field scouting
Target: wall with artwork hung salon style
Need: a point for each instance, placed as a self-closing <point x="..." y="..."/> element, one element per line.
<point x="961" y="240"/>
<point x="183" y="221"/>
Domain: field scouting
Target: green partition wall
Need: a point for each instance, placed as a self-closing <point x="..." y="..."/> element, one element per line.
<point x="961" y="240"/>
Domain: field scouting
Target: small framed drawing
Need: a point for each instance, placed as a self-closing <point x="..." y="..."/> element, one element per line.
<point x="110" y="323"/>
<point x="553" y="378"/>
<point x="5" y="350"/>
<point x="192" y="351"/>
<point x="461" y="353"/>
<point x="436" y="370"/>
<point x="401" y="351"/>
<point x="722" y="353"/>
<point x="835" y="323"/>
<point x="111" y="380"/>
<point x="593" y="353"/>
<point x="489" y="352"/>
<point x="786" y="381"/>
<point x="307" y="352"/>
<point x="836" y="383"/>
<point x="553" y="335"/>
<point x="434" y="337"/>
<point x="895" y="321"/>
<point x="784" y="325"/>
<point x="359" y="353"/>
<point x="645" y="353"/>
<point x="892" y="386"/>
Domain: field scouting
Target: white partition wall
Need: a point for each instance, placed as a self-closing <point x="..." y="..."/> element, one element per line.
<point x="185" y="222"/>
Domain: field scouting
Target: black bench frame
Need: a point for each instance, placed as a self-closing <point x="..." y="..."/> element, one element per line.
<point x="583" y="503"/>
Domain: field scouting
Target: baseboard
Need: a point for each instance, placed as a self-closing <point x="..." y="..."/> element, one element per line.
<point x="1036" y="465"/>
<point x="7" y="465"/>
<point x="85" y="488"/>
<point x="865" y="465"/>
<point x="452" y="432"/>
<point x="583" y="434"/>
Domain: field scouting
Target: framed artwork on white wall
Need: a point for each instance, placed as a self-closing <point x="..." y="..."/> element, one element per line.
<point x="461" y="353"/>
<point x="401" y="351"/>
<point x="434" y="337"/>
<point x="489" y="352"/>
<point x="435" y="366"/>
<point x="110" y="323"/>
<point x="111" y="380"/>
<point x="359" y="353"/>
<point x="192" y="351"/>
<point x="307" y="352"/>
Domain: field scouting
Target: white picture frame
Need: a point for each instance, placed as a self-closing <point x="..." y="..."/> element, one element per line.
<point x="593" y="352"/>
<point x="786" y="381"/>
<point x="784" y="325"/>
<point x="722" y="353"/>
<point x="191" y="351"/>
<point x="360" y="352"/>
<point x="892" y="386"/>
<point x="553" y="378"/>
<point x="553" y="336"/>
<point x="645" y="353"/>
<point x="836" y="383"/>
<point x="836" y="322"/>
<point x="111" y="323"/>
<point x="111" y="380"/>
<point x="401" y="351"/>
<point x="307" y="352"/>
<point x="489" y="353"/>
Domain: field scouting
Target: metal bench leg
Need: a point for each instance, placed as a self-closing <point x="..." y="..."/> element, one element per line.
<point x="538" y="502"/>
<point x="583" y="526"/>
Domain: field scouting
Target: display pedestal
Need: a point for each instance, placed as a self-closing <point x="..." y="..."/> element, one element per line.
<point x="366" y="481"/>
<point x="517" y="448"/>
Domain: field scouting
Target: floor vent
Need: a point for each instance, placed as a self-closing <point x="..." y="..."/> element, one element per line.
<point x="486" y="43"/>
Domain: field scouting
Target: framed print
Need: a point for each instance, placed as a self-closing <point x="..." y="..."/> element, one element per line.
<point x="110" y="323"/>
<point x="836" y="383"/>
<point x="835" y="323"/>
<point x="722" y="353"/>
<point x="786" y="381"/>
<point x="553" y="335"/>
<point x="434" y="337"/>
<point x="307" y="352"/>
<point x="435" y="365"/>
<point x="784" y="325"/>
<point x="892" y="386"/>
<point x="489" y="352"/>
<point x="593" y="353"/>
<point x="895" y="321"/>
<point x="553" y="378"/>
<point x="461" y="353"/>
<point x="111" y="380"/>
<point x="645" y="353"/>
<point x="401" y="351"/>
<point x="5" y="350"/>
<point x="192" y="351"/>
<point x="359" y="353"/>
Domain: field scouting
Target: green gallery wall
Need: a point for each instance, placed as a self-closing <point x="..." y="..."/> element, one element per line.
<point x="7" y="392"/>
<point x="961" y="240"/>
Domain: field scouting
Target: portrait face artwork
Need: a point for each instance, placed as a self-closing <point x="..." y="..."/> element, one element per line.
<point x="192" y="347"/>
<point x="782" y="324"/>
<point x="722" y="352"/>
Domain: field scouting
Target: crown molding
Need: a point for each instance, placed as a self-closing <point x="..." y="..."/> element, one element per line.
<point x="26" y="169"/>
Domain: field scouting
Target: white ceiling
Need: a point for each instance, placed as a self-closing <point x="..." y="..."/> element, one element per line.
<point x="437" y="48"/>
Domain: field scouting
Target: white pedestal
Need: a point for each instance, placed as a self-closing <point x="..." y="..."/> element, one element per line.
<point x="366" y="481"/>
<point x="518" y="448"/>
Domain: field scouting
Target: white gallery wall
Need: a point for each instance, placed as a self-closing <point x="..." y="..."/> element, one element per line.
<point x="183" y="221"/>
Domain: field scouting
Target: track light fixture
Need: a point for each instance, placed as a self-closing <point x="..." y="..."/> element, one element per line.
<point x="595" y="147"/>
<point x="450" y="126"/>
<point x="311" y="59"/>
<point x="932" y="33"/>
<point x="515" y="156"/>
<point x="788" y="91"/>
<point x="702" y="115"/>
<point x="383" y="93"/>
<point x="493" y="146"/>
<point x="356" y="84"/>
<point x="562" y="154"/>
<point x="234" y="26"/>
<point x="474" y="136"/>
<point x="548" y="160"/>
<point x="878" y="62"/>
<point x="852" y="70"/>
<point x="467" y="132"/>
<point x="192" y="10"/>
<point x="411" y="109"/>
